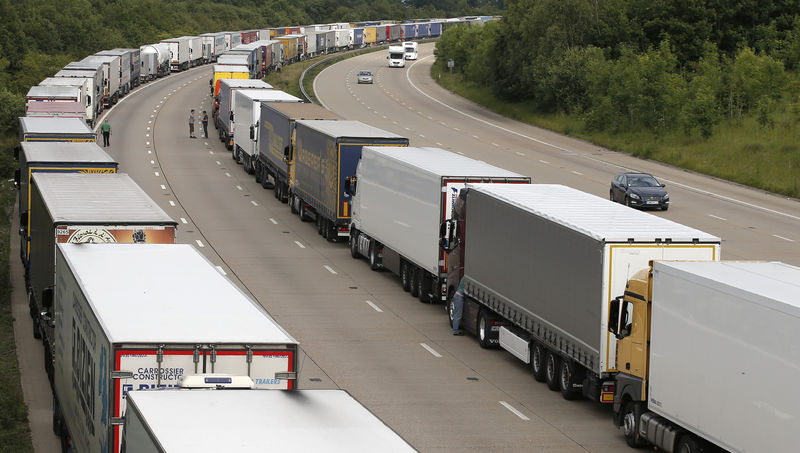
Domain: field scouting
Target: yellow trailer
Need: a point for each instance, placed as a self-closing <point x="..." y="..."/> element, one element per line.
<point x="370" y="35"/>
<point x="290" y="44"/>
<point x="228" y="72"/>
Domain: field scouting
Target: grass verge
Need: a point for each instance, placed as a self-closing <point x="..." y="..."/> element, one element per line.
<point x="15" y="433"/>
<point x="745" y="151"/>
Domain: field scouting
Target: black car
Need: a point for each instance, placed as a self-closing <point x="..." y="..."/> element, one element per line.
<point x="639" y="190"/>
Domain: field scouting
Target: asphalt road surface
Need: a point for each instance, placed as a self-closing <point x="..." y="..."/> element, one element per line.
<point x="358" y="330"/>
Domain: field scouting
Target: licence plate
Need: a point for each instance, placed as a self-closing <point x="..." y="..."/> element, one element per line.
<point x="652" y="202"/>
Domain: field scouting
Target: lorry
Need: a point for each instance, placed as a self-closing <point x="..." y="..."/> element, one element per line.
<point x="397" y="227"/>
<point x="411" y="50"/>
<point x="541" y="264"/>
<point x="111" y="75"/>
<point x="409" y="31"/>
<point x="124" y="72"/>
<point x="707" y="356"/>
<point x="32" y="129"/>
<point x="396" y="57"/>
<point x="136" y="65"/>
<point x="243" y="58"/>
<point x="224" y="71"/>
<point x="82" y="208"/>
<point x="142" y="316"/>
<point x="49" y="93"/>
<point x="179" y="53"/>
<point x="326" y="155"/>
<point x="276" y="144"/>
<point x="246" y="118"/>
<point x="156" y="60"/>
<point x="290" y="44"/>
<point x="53" y="157"/>
<point x="93" y="71"/>
<point x="226" y="103"/>
<point x="57" y="110"/>
<point x="214" y="45"/>
<point x="195" y="50"/>
<point x="304" y="420"/>
<point x="85" y="85"/>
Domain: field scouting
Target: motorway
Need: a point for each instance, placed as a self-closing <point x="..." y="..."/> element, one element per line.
<point x="358" y="330"/>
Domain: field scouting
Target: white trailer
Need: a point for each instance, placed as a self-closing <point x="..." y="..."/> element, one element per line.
<point x="179" y="53"/>
<point x="85" y="84"/>
<point x="178" y="421"/>
<point x="124" y="57"/>
<point x="402" y="196"/>
<point x="195" y="49"/>
<point x="47" y="93"/>
<point x="214" y="43"/>
<point x="342" y="38"/>
<point x="139" y="317"/>
<point x="93" y="71"/>
<point x="246" y="119"/>
<point x="723" y="357"/>
<point x="111" y="74"/>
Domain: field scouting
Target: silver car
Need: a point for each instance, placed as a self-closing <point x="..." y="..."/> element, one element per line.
<point x="364" y="77"/>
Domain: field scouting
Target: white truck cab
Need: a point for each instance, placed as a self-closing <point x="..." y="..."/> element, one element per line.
<point x="396" y="57"/>
<point x="410" y="50"/>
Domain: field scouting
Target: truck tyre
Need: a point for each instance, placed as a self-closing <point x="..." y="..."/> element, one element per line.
<point x="248" y="165"/>
<point x="611" y="196"/>
<point x="56" y="419"/>
<point x="551" y="370"/>
<point x="354" y="244"/>
<point x="235" y="154"/>
<point x="320" y="226"/>
<point x="688" y="444"/>
<point x="284" y="193"/>
<point x="293" y="205"/>
<point x="424" y="283"/>
<point x="405" y="275"/>
<point x="31" y="305"/>
<point x="483" y="329"/>
<point x="538" y="358"/>
<point x="301" y="210"/>
<point x="414" y="271"/>
<point x="374" y="261"/>
<point x="566" y="378"/>
<point x="259" y="173"/>
<point x="630" y="424"/>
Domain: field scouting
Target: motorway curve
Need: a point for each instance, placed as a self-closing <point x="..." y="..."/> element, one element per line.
<point x="359" y="331"/>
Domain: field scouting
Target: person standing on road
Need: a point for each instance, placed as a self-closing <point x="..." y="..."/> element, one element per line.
<point x="458" y="307"/>
<point x="106" y="128"/>
<point x="191" y="124"/>
<point x="205" y="124"/>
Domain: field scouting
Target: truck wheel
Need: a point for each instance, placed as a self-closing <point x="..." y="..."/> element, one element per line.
<point x="374" y="261"/>
<point x="56" y="419"/>
<point x="31" y="305"/>
<point x="538" y="356"/>
<point x="484" y="328"/>
<point x="630" y="425"/>
<point x="551" y="370"/>
<point x="405" y="275"/>
<point x="567" y="377"/>
<point x="424" y="283"/>
<point x="450" y="309"/>
<point x="332" y="233"/>
<point x="293" y="205"/>
<point x="414" y="288"/>
<point x="354" y="244"/>
<point x="284" y="193"/>
<point x="688" y="444"/>
<point x="301" y="210"/>
<point x="249" y="166"/>
<point x="260" y="174"/>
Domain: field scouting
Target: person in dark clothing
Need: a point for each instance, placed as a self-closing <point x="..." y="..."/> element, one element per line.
<point x="191" y="124"/>
<point x="205" y="124"/>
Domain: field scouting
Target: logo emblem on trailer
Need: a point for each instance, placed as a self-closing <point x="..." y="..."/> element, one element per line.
<point x="91" y="236"/>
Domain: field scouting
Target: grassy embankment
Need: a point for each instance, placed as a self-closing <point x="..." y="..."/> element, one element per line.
<point x="15" y="434"/>
<point x="765" y="157"/>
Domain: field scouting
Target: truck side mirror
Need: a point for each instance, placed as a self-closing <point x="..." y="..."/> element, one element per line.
<point x="613" y="316"/>
<point x="17" y="150"/>
<point x="23" y="222"/>
<point x="16" y="178"/>
<point x="286" y="154"/>
<point x="231" y="116"/>
<point x="448" y="240"/>
<point x="252" y="133"/>
<point x="47" y="298"/>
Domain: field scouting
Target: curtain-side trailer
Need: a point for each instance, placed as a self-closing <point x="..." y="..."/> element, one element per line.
<point x="246" y="119"/>
<point x="532" y="256"/>
<point x="224" y="105"/>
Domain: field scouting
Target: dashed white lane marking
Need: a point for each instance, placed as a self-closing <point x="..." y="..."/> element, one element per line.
<point x="717" y="217"/>
<point x="163" y="187"/>
<point x="421" y="135"/>
<point x="183" y="220"/>
<point x="543" y="161"/>
<point x="156" y="173"/>
<point x="475" y="136"/>
<point x="149" y="152"/>
<point x="152" y="162"/>
<point x="459" y="152"/>
<point x="148" y="143"/>
<point x="221" y="270"/>
<point x="495" y="144"/>
<point x="299" y="244"/>
<point x="239" y="187"/>
<point x="457" y="129"/>
<point x="148" y="128"/>
<point x="254" y="202"/>
<point x="274" y="222"/>
<point x="171" y="203"/>
<point x="520" y="154"/>
<point x="577" y="173"/>
<point x="199" y="243"/>
<point x="514" y="410"/>
<point x="219" y="163"/>
<point x="227" y="174"/>
<point x="371" y="304"/>
<point x="430" y="349"/>
<point x="330" y="269"/>
<point x="781" y="237"/>
<point x="211" y="152"/>
<point x="206" y="143"/>
<point x="439" y="144"/>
